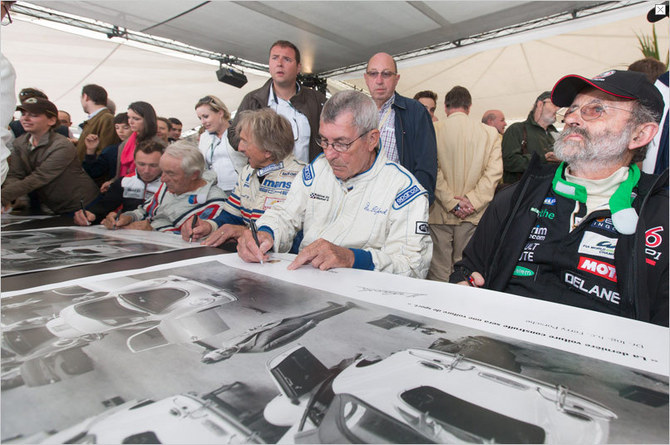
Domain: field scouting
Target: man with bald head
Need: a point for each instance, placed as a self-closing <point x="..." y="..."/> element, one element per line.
<point x="407" y="135"/>
<point x="495" y="119"/>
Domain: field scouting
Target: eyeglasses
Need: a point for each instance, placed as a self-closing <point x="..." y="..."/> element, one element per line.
<point x="385" y="74"/>
<point x="7" y="19"/>
<point x="590" y="112"/>
<point x="339" y="147"/>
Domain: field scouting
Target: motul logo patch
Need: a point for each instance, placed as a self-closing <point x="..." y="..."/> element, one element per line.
<point x="599" y="268"/>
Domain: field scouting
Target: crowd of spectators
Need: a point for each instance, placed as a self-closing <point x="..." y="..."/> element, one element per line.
<point x="376" y="181"/>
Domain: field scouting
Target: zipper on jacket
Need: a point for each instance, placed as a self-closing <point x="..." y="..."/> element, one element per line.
<point x="632" y="282"/>
<point x="496" y="255"/>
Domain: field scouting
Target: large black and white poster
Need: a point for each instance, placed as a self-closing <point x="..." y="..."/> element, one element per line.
<point x="55" y="248"/>
<point x="214" y="351"/>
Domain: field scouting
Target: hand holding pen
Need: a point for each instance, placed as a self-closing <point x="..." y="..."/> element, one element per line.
<point x="116" y="219"/>
<point x="194" y="223"/>
<point x="254" y="233"/>
<point x="475" y="279"/>
<point x="253" y="244"/>
<point x="83" y="210"/>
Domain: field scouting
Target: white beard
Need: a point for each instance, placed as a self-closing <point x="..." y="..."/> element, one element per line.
<point x="594" y="151"/>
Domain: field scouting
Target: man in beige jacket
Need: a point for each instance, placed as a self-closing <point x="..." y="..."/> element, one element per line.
<point x="470" y="166"/>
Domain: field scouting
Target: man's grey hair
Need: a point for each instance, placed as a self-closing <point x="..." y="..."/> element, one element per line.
<point x="191" y="158"/>
<point x="363" y="108"/>
<point x="641" y="114"/>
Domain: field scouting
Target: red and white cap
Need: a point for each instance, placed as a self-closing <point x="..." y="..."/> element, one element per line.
<point x="624" y="84"/>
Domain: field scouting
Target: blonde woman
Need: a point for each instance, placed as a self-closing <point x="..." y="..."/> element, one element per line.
<point x="220" y="157"/>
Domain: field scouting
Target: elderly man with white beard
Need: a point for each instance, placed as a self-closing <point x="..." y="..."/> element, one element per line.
<point x="592" y="232"/>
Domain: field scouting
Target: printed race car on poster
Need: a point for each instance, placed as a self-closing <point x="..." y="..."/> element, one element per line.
<point x="425" y="396"/>
<point x="182" y="310"/>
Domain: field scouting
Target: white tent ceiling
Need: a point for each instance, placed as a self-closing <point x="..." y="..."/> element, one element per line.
<point x="330" y="34"/>
<point x="505" y="73"/>
<point x="60" y="63"/>
<point x="509" y="75"/>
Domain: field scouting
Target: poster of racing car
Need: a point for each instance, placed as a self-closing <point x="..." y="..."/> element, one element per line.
<point x="55" y="248"/>
<point x="202" y="352"/>
<point x="8" y="221"/>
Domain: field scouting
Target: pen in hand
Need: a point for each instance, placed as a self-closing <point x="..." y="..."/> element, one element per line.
<point x="193" y="224"/>
<point x="83" y="211"/>
<point x="254" y="233"/>
<point x="116" y="219"/>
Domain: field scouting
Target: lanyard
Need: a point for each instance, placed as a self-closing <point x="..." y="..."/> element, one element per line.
<point x="212" y="147"/>
<point x="274" y="95"/>
<point x="384" y="118"/>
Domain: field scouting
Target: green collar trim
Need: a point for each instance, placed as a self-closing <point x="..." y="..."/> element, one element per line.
<point x="622" y="199"/>
<point x="624" y="216"/>
<point x="567" y="189"/>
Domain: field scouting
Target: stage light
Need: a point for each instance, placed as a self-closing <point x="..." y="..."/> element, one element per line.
<point x="231" y="76"/>
<point x="313" y="81"/>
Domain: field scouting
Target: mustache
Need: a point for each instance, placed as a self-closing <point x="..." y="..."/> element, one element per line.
<point x="574" y="130"/>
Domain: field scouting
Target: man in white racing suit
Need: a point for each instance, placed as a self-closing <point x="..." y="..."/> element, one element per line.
<point x="356" y="208"/>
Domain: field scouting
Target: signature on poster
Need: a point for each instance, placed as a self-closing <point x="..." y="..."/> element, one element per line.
<point x="390" y="292"/>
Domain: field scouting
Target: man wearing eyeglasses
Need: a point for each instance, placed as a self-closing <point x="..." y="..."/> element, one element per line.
<point x="406" y="128"/>
<point x="356" y="209"/>
<point x="299" y="104"/>
<point x="591" y="232"/>
<point x="534" y="135"/>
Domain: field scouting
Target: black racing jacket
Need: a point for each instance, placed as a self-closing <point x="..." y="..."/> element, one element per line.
<point x="641" y="259"/>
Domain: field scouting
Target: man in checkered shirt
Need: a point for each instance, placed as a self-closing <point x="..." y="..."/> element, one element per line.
<point x="407" y="132"/>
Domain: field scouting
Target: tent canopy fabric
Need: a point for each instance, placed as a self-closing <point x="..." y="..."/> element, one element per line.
<point x="505" y="73"/>
<point x="511" y="76"/>
<point x="330" y="34"/>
